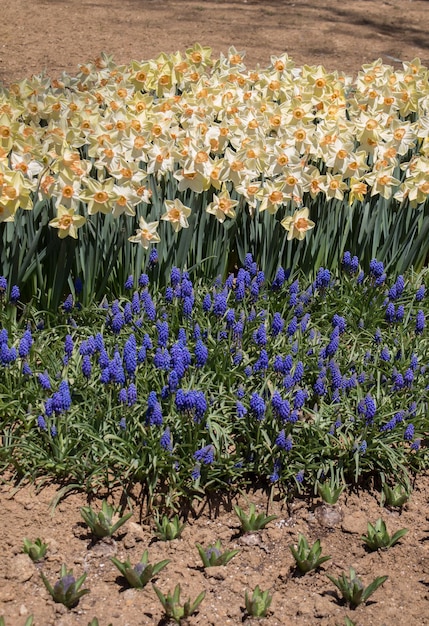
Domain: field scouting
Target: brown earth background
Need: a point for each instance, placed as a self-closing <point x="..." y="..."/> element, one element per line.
<point x="55" y="36"/>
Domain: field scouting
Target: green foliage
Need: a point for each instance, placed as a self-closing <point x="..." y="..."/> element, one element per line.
<point x="28" y="621"/>
<point x="258" y="604"/>
<point x="67" y="590"/>
<point x="100" y="523"/>
<point x="378" y="536"/>
<point x="139" y="575"/>
<point x="168" y="529"/>
<point x="94" y="622"/>
<point x="36" y="550"/>
<point x="213" y="555"/>
<point x="90" y="449"/>
<point x="329" y="492"/>
<point x="251" y="522"/>
<point x="307" y="558"/>
<point x="395" y="496"/>
<point x="353" y="590"/>
<point x="172" y="606"/>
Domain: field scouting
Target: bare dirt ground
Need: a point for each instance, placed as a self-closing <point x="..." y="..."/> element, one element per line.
<point x="264" y="559"/>
<point x="56" y="35"/>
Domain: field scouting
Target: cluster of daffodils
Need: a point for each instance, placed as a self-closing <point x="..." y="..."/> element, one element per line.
<point x="111" y="138"/>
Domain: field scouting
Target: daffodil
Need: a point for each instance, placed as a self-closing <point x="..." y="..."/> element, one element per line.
<point x="126" y="201"/>
<point x="146" y="234"/>
<point x="67" y="222"/>
<point x="99" y="196"/>
<point x="297" y="224"/>
<point x="222" y="206"/>
<point x="358" y="190"/>
<point x="14" y="194"/>
<point x="177" y="214"/>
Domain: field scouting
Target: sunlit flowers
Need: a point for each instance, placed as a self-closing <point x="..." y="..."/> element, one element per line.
<point x="297" y="224"/>
<point x="67" y="222"/>
<point x="146" y="234"/>
<point x="99" y="196"/>
<point x="222" y="206"/>
<point x="177" y="214"/>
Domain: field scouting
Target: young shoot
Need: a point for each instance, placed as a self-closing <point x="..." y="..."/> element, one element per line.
<point x="213" y="555"/>
<point x="307" y="558"/>
<point x="172" y="606"/>
<point x="36" y="550"/>
<point x="139" y="575"/>
<point x="258" y="604"/>
<point x="67" y="590"/>
<point x="100" y="523"/>
<point x="169" y="529"/>
<point x="252" y="522"/>
<point x="353" y="590"/>
<point x="378" y="536"/>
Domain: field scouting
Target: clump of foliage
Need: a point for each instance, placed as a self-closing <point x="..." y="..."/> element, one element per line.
<point x="352" y="588"/>
<point x="307" y="558"/>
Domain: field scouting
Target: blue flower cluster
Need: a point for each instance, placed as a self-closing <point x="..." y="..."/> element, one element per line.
<point x="272" y="379"/>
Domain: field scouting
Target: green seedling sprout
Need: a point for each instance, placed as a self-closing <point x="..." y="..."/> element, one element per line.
<point x="394" y="497"/>
<point x="67" y="590"/>
<point x="379" y="538"/>
<point x="169" y="529"/>
<point x="100" y="523"/>
<point x="329" y="492"/>
<point x="352" y="588"/>
<point x="213" y="555"/>
<point x="307" y="558"/>
<point x="172" y="607"/>
<point x="252" y="521"/>
<point x="139" y="575"/>
<point x="36" y="550"/>
<point x="259" y="603"/>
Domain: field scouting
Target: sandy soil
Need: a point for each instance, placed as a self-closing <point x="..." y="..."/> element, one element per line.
<point x="55" y="35"/>
<point x="264" y="559"/>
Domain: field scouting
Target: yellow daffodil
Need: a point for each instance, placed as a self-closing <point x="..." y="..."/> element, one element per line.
<point x="14" y="194"/>
<point x="297" y="224"/>
<point x="99" y="196"/>
<point x="222" y="206"/>
<point x="67" y="222"/>
<point x="358" y="190"/>
<point x="177" y="214"/>
<point x="146" y="234"/>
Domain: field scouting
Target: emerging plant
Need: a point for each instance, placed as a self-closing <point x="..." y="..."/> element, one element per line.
<point x="94" y="622"/>
<point x="28" y="621"/>
<point x="36" y="550"/>
<point x="142" y="573"/>
<point x="329" y="492"/>
<point x="213" y="555"/>
<point x="307" y="558"/>
<point x="396" y="496"/>
<point x="67" y="590"/>
<point x="101" y="523"/>
<point x="252" y="521"/>
<point x="378" y="536"/>
<point x="168" y="529"/>
<point x="259" y="603"/>
<point x="352" y="588"/>
<point x="172" y="607"/>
